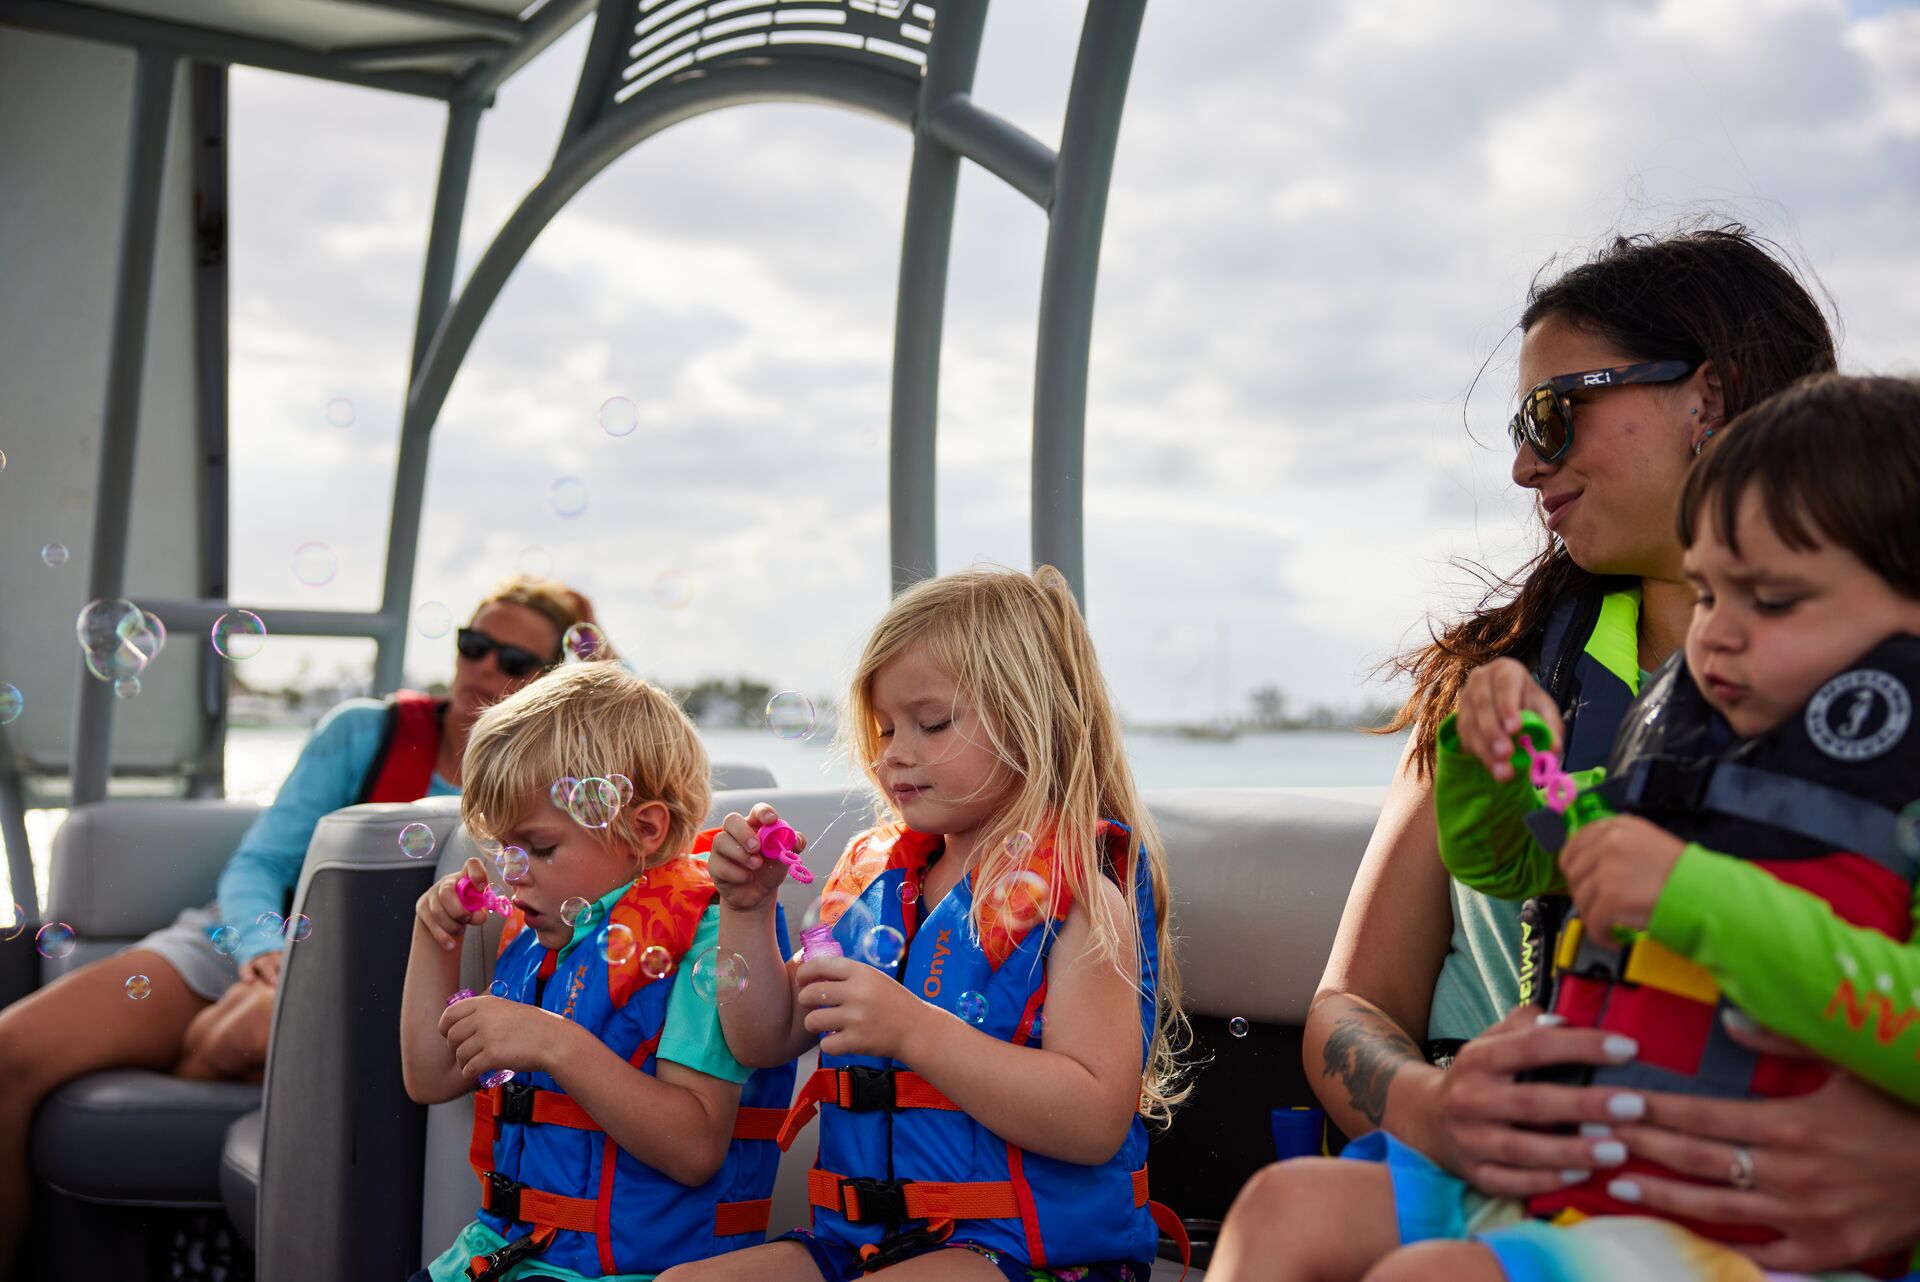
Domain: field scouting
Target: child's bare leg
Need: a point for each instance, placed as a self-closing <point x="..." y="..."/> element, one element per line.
<point x="773" y="1262"/>
<point x="1423" y="1261"/>
<point x="949" y="1264"/>
<point x="1314" y="1219"/>
<point x="227" y="1042"/>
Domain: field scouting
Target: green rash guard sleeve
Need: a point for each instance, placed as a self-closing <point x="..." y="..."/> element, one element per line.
<point x="1484" y="840"/>
<point x="1784" y="957"/>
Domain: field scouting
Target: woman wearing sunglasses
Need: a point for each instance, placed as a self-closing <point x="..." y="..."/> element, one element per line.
<point x="1629" y="363"/>
<point x="206" y="1009"/>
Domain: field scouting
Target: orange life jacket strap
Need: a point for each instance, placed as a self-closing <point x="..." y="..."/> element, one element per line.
<point x="869" y="1200"/>
<point x="860" y="1090"/>
<point x="550" y="1108"/>
<point x="539" y="1208"/>
<point x="730" y="1219"/>
<point x="758" y="1124"/>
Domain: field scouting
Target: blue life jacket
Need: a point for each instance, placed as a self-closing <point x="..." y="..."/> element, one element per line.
<point x="901" y="1168"/>
<point x="556" y="1184"/>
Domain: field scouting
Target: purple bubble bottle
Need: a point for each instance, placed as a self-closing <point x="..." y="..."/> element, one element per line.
<point x="818" y="941"/>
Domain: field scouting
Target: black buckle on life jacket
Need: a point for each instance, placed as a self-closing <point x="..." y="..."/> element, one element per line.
<point x="870" y="1090"/>
<point x="881" y="1201"/>
<point x="484" y="1268"/>
<point x="902" y="1246"/>
<point x="516" y="1103"/>
<point x="503" y="1195"/>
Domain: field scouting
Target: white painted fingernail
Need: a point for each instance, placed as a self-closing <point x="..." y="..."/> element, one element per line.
<point x="1738" y="1020"/>
<point x="1618" y="1047"/>
<point x="1549" y="1020"/>
<point x="1624" y="1190"/>
<point x="1574" y="1177"/>
<point x="1609" y="1153"/>
<point x="1627" y="1106"/>
<point x="1595" y="1130"/>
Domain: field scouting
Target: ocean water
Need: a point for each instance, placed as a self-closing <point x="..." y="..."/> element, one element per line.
<point x="259" y="757"/>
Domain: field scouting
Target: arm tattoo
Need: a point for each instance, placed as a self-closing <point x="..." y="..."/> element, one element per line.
<point x="1365" y="1050"/>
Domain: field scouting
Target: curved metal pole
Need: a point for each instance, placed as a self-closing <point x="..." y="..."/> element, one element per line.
<point x="1081" y="176"/>
<point x="921" y="310"/>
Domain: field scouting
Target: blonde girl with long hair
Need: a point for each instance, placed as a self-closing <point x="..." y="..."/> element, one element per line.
<point x="1003" y="1020"/>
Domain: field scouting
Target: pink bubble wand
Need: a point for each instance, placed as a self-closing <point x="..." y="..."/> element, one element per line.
<point x="482" y="896"/>
<point x="780" y="842"/>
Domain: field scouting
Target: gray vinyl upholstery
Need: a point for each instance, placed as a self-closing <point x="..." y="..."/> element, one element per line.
<point x="240" y="1172"/>
<point x="132" y="1137"/>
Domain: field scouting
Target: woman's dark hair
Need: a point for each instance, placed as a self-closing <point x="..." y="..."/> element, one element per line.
<point x="1834" y="459"/>
<point x="1717" y="294"/>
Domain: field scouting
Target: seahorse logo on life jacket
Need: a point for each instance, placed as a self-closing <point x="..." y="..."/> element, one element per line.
<point x="1865" y="725"/>
<point x="940" y="951"/>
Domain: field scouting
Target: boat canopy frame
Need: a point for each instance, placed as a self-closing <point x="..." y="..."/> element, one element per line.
<point x="650" y="64"/>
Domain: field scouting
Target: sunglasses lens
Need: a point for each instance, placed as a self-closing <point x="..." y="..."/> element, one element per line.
<point x="1546" y="426"/>
<point x="472" y="645"/>
<point x="516" y="662"/>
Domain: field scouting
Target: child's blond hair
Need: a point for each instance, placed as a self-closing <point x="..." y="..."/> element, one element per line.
<point x="587" y="720"/>
<point x="1018" y="649"/>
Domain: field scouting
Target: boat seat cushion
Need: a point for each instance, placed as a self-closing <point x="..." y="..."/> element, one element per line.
<point x="136" y="1138"/>
<point x="240" y="1172"/>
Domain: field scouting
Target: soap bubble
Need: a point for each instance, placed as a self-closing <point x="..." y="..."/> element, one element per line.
<point x="578" y="912"/>
<point x="138" y="986"/>
<point x="883" y="946"/>
<point x="594" y="803"/>
<point x="12" y="703"/>
<point x="908" y="892"/>
<point x="54" y="554"/>
<point x="114" y="640"/>
<point x="498" y="988"/>
<point x="836" y="902"/>
<point x="1020" y="900"/>
<point x="623" y="788"/>
<point x="270" y="923"/>
<point x="158" y="629"/>
<point x="54" y="940"/>
<point x="416" y="841"/>
<point x="790" y="716"/>
<point x="298" y="928"/>
<point x="512" y="863"/>
<point x="225" y="940"/>
<point x="19" y="926"/>
<point x="561" y="790"/>
<point x="656" y="961"/>
<point x="432" y="620"/>
<point x="569" y="495"/>
<point x="126" y="687"/>
<point x="315" y="564"/>
<point x="616" y="944"/>
<point x="972" y="1007"/>
<point x="1238" y="1026"/>
<point x="238" y="634"/>
<point x="3" y="460"/>
<point x="672" y="590"/>
<point x="719" y="977"/>
<point x="1020" y="845"/>
<point x="586" y="642"/>
<point x="1906" y="828"/>
<point x="340" y="412"/>
<point x="535" y="562"/>
<point x="619" y="416"/>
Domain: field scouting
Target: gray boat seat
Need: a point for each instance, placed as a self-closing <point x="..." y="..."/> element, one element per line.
<point x="122" y="869"/>
<point x="240" y="1172"/>
<point x="735" y="774"/>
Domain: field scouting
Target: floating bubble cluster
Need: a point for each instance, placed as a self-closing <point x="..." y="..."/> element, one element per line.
<point x="616" y="944"/>
<point x="12" y="703"/>
<point x="512" y="863"/>
<point x="569" y="496"/>
<point x="238" y="635"/>
<point x="138" y="986"/>
<point x="432" y="620"/>
<point x="298" y="928"/>
<point x="790" y="716"/>
<point x="560" y="791"/>
<point x="619" y="416"/>
<point x="972" y="1007"/>
<point x="115" y="640"/>
<point x="315" y="564"/>
<point x="54" y="555"/>
<point x="269" y="923"/>
<point x="719" y="977"/>
<point x="416" y="841"/>
<point x="623" y="788"/>
<point x="54" y="940"/>
<point x="883" y="946"/>
<point x="593" y="803"/>
<point x="586" y="642"/>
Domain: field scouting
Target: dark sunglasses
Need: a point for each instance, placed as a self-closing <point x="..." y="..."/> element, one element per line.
<point x="514" y="661"/>
<point x="1545" y="420"/>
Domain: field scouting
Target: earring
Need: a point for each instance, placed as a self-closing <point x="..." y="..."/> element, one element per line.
<point x="1701" y="444"/>
<point x="1694" y="410"/>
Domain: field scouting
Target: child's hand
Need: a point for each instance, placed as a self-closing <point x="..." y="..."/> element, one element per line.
<point x="439" y="909"/>
<point x="486" y="1034"/>
<point x="1615" y="870"/>
<point x="858" y="1010"/>
<point x="746" y="880"/>
<point x="1489" y="714"/>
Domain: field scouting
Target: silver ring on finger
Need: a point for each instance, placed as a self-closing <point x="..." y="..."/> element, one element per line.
<point x="1740" y="1170"/>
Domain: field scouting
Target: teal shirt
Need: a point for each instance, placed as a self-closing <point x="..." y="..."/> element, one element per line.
<point x="328" y="776"/>
<point x="690" y="1037"/>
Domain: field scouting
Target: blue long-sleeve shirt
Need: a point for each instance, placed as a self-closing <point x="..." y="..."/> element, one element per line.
<point x="329" y="775"/>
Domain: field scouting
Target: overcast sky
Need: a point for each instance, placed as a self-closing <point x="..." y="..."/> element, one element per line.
<point x="1323" y="221"/>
